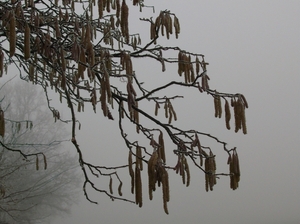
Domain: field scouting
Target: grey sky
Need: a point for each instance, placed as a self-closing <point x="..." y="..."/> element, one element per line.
<point x="253" y="47"/>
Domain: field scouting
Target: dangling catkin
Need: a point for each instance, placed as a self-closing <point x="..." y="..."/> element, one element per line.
<point x="110" y="185"/>
<point x="124" y="21"/>
<point x="243" y="118"/>
<point x="176" y="26"/>
<point x="187" y="170"/>
<point x="139" y="160"/>
<point x="1" y="62"/>
<point x="197" y="65"/>
<point x="120" y="189"/>
<point x="37" y="162"/>
<point x="156" y="108"/>
<point x="131" y="172"/>
<point x="2" y="123"/>
<point x="138" y="187"/>
<point x="165" y="189"/>
<point x="152" y="173"/>
<point x="227" y="114"/>
<point x="27" y="42"/>
<point x="12" y="34"/>
<point x="162" y="147"/>
<point x="45" y="162"/>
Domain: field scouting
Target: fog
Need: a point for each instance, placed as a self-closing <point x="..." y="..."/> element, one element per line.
<point x="252" y="48"/>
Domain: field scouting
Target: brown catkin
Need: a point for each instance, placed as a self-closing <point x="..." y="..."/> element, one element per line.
<point x="118" y="8"/>
<point x="165" y="190"/>
<point x="1" y="62"/>
<point x="243" y="119"/>
<point x="138" y="187"/>
<point x="120" y="189"/>
<point x="27" y="42"/>
<point x="227" y="114"/>
<point x="12" y="34"/>
<point x="197" y="65"/>
<point x="156" y="108"/>
<point x="234" y="170"/>
<point x="219" y="107"/>
<point x="216" y="106"/>
<point x="124" y="21"/>
<point x="31" y="72"/>
<point x="152" y="173"/>
<point x="110" y="185"/>
<point x="37" y="162"/>
<point x="162" y="147"/>
<point x="131" y="172"/>
<point x="180" y="67"/>
<point x="244" y="100"/>
<point x="45" y="162"/>
<point x="176" y="26"/>
<point x="139" y="160"/>
<point x="2" y="123"/>
<point x="206" y="174"/>
<point x="187" y="170"/>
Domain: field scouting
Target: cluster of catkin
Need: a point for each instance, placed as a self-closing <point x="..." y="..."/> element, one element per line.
<point x="210" y="170"/>
<point x="165" y="24"/>
<point x="169" y="110"/>
<point x="135" y="175"/>
<point x="185" y="66"/>
<point x="239" y="104"/>
<point x="201" y="153"/>
<point x="157" y="173"/>
<point x="106" y="95"/>
<point x="234" y="169"/>
<point x="111" y="186"/>
<point x="37" y="162"/>
<point x="182" y="168"/>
